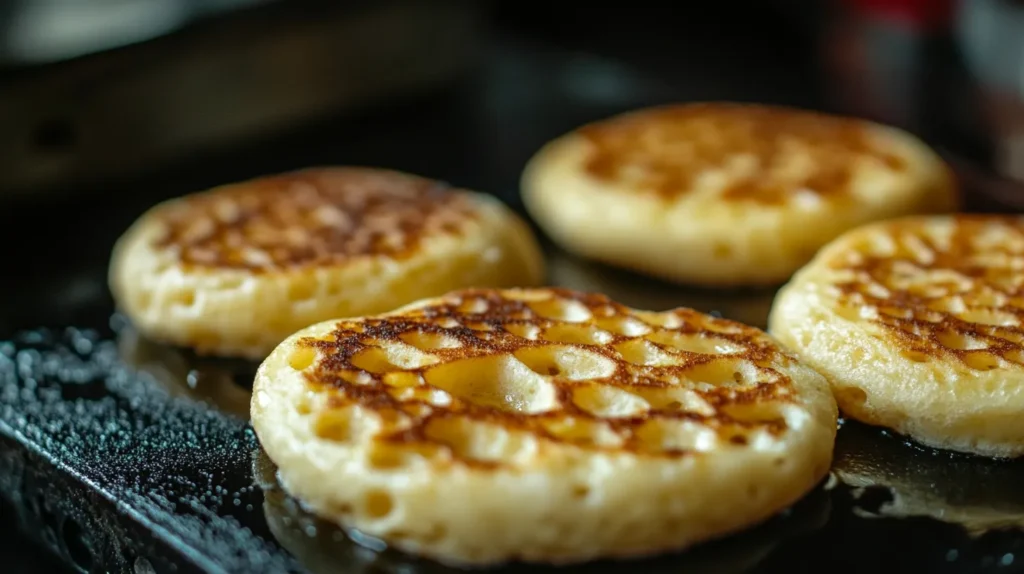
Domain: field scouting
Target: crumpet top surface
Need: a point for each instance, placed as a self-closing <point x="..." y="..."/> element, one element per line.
<point x="561" y="366"/>
<point x="948" y="287"/>
<point x="767" y="154"/>
<point x="310" y="218"/>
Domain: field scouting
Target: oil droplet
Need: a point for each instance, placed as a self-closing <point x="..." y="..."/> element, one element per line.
<point x="952" y="555"/>
<point x="1006" y="560"/>
<point x="366" y="541"/>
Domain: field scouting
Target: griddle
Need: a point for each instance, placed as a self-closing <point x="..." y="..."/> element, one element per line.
<point x="121" y="455"/>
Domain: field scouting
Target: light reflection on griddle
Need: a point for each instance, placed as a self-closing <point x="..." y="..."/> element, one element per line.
<point x="978" y="494"/>
<point x="324" y="548"/>
<point x="225" y="384"/>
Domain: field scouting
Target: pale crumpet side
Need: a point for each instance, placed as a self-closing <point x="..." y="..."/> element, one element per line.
<point x="235" y="270"/>
<point x="917" y="323"/>
<point x="541" y="425"/>
<point x="725" y="194"/>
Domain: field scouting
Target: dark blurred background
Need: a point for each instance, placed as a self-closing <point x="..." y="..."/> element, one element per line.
<point x="107" y="106"/>
<point x="95" y="94"/>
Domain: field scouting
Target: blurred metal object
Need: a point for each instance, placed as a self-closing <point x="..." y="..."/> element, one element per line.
<point x="226" y="81"/>
<point x="881" y="57"/>
<point x="44" y="31"/>
<point x="991" y="33"/>
<point x="40" y="31"/>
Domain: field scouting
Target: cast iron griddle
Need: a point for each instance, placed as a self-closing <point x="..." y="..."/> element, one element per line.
<point x="124" y="456"/>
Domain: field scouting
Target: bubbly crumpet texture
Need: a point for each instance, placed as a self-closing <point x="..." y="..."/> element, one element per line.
<point x="234" y="270"/>
<point x="726" y="194"/>
<point x="543" y="425"/>
<point x="917" y="323"/>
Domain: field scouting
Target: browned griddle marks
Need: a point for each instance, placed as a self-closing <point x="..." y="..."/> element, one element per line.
<point x="484" y="323"/>
<point x="968" y="303"/>
<point x="314" y="217"/>
<point x="665" y="150"/>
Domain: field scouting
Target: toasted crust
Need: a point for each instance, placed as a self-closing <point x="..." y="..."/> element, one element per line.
<point x="234" y="270"/>
<point x="917" y="323"/>
<point x="592" y="419"/>
<point x="726" y="194"/>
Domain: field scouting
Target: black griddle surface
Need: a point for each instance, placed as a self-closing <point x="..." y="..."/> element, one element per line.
<point x="121" y="455"/>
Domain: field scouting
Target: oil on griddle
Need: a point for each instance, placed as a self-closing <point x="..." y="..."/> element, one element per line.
<point x="126" y="455"/>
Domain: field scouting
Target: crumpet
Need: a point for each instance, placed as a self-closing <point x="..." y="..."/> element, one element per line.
<point x="726" y="194"/>
<point x="235" y="270"/>
<point x="542" y="425"/>
<point x="917" y="323"/>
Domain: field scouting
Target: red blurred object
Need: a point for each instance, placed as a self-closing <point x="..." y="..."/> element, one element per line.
<point x="920" y="14"/>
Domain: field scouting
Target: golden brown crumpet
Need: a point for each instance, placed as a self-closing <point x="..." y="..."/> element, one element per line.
<point x="726" y="194"/>
<point x="543" y="425"/>
<point x="917" y="323"/>
<point x="235" y="270"/>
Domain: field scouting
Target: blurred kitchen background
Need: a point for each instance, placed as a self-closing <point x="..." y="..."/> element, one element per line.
<point x="104" y="95"/>
<point x="126" y="102"/>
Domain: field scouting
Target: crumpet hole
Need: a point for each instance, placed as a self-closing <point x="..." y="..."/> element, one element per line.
<point x="497" y="381"/>
<point x="335" y="425"/>
<point x="383" y="457"/>
<point x="665" y="319"/>
<point x="694" y="343"/>
<point x="723" y="373"/>
<point x="391" y="358"/>
<point x="609" y="402"/>
<point x="569" y="362"/>
<point x="183" y="298"/>
<point x="561" y="310"/>
<point x="582" y="431"/>
<point x="473" y="306"/>
<point x="953" y="305"/>
<point x="377" y="504"/>
<point x="981" y="361"/>
<point x="851" y="313"/>
<point x="425" y="341"/>
<point x="626" y="326"/>
<point x="1016" y="356"/>
<point x="660" y="435"/>
<point x="959" y="341"/>
<point x="360" y="378"/>
<point x="896" y="312"/>
<point x="580" y="491"/>
<point x="301" y="358"/>
<point x="989" y="317"/>
<point x="676" y="399"/>
<point x="373" y="360"/>
<point x="915" y="356"/>
<point x="524" y="330"/>
<point x="643" y="352"/>
<point x="402" y="379"/>
<point x="470" y="440"/>
<point x="576" y="334"/>
<point x="849" y="397"/>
